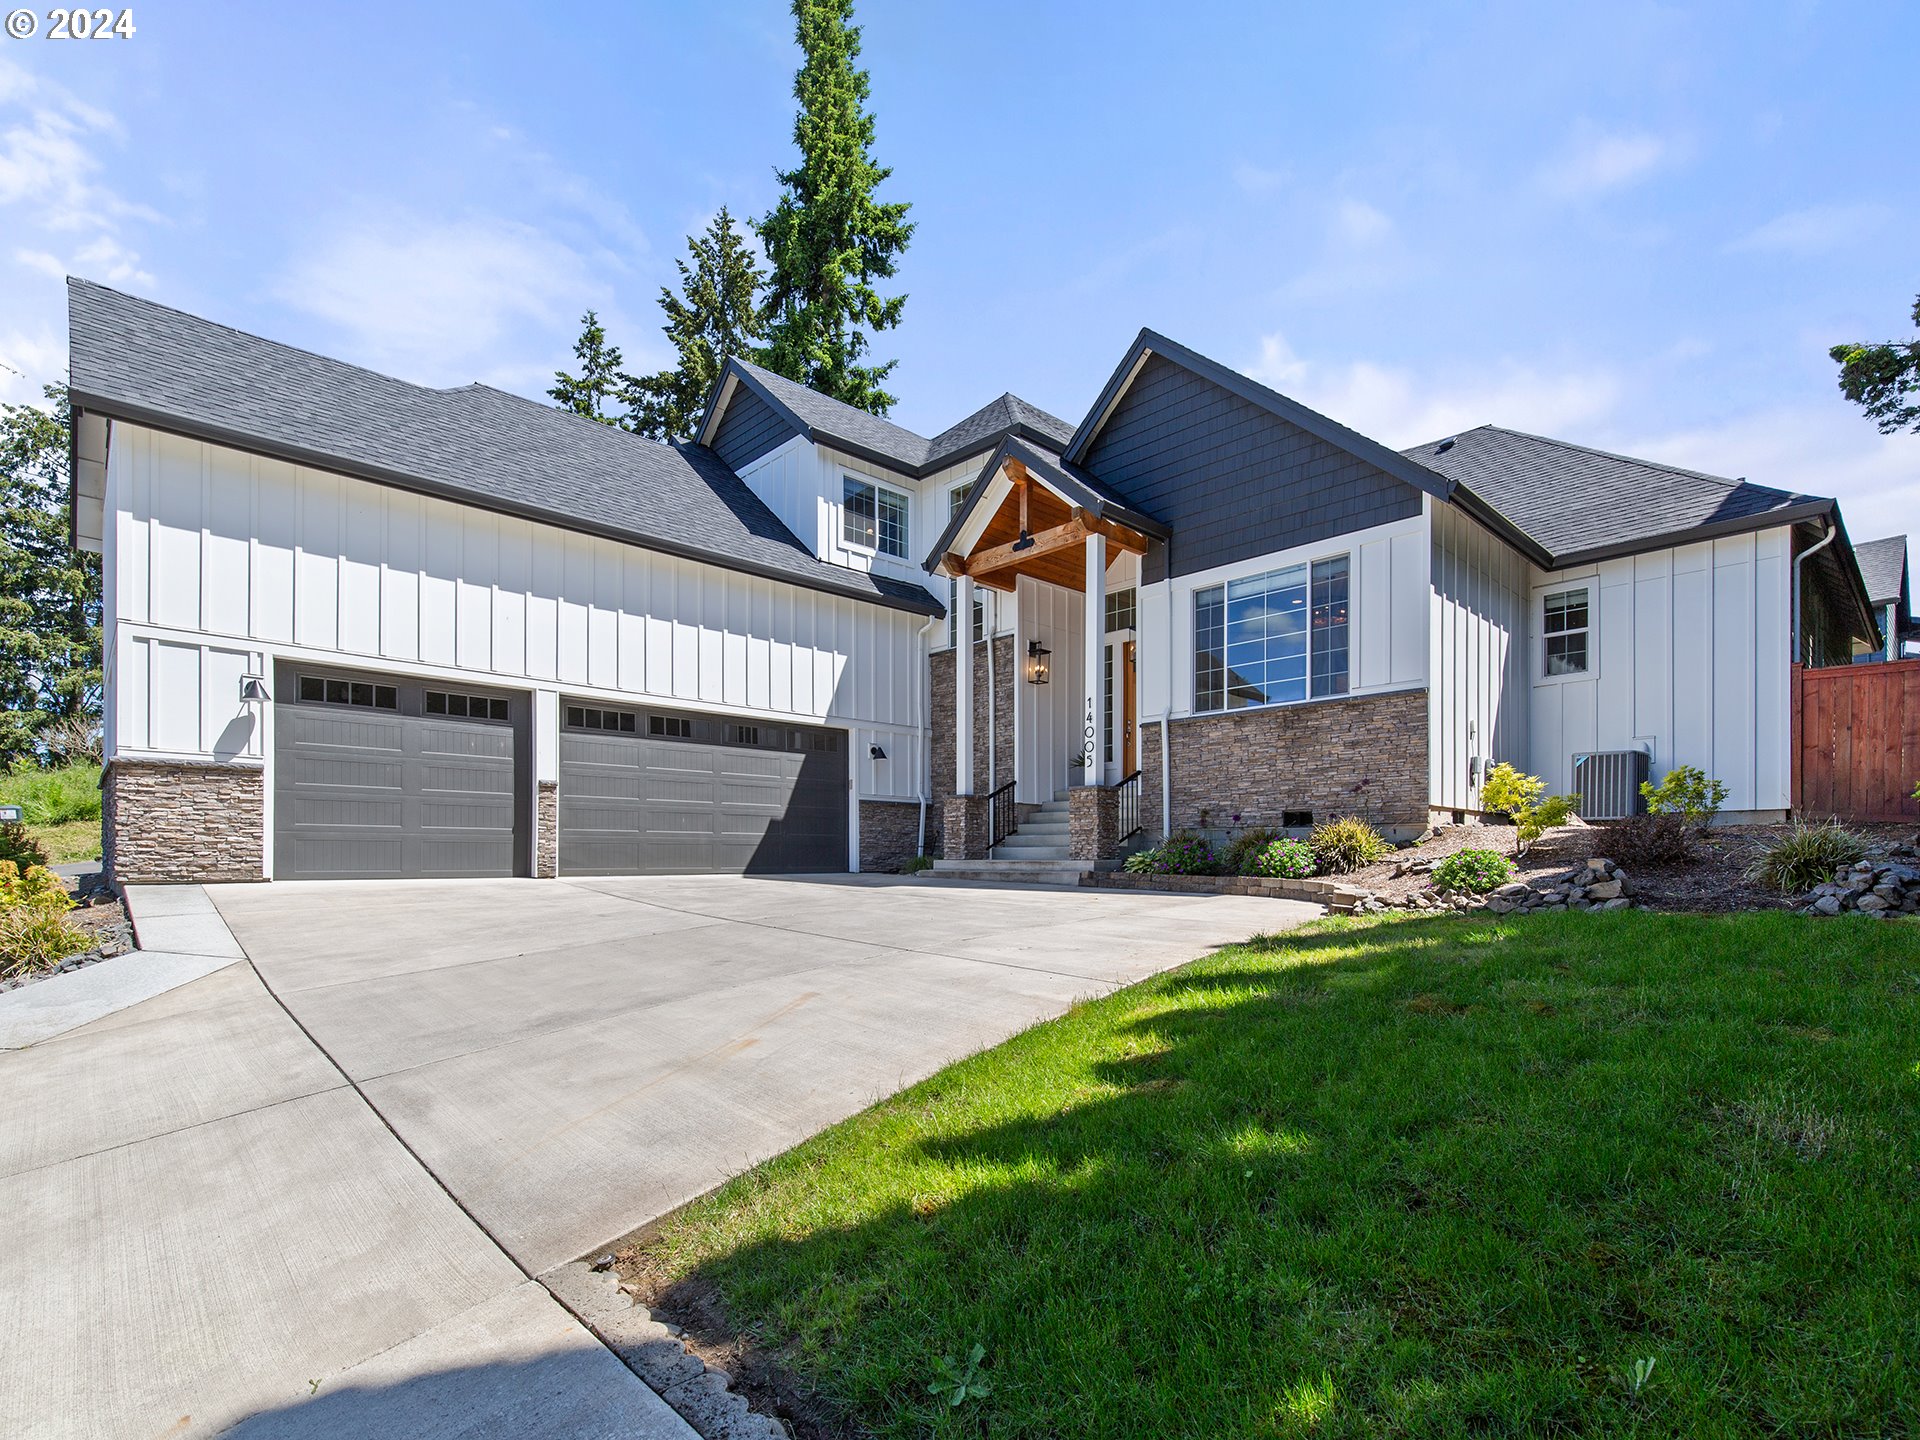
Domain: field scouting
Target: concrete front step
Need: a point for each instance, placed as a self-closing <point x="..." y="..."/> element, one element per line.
<point x="1013" y="872"/>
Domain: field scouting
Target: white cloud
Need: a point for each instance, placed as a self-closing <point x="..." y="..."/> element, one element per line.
<point x="1399" y="406"/>
<point x="48" y="163"/>
<point x="1816" y="229"/>
<point x="1357" y="223"/>
<point x="444" y="302"/>
<point x="1259" y="179"/>
<point x="1595" y="161"/>
<point x="30" y="358"/>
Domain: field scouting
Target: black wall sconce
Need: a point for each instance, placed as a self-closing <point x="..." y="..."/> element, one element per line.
<point x="876" y="753"/>
<point x="1039" y="666"/>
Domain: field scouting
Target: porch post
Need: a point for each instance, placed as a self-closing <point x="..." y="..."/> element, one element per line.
<point x="963" y="685"/>
<point x="1096" y="624"/>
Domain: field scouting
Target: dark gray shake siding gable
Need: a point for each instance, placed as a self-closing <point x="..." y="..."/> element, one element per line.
<point x="1229" y="478"/>
<point x="749" y="429"/>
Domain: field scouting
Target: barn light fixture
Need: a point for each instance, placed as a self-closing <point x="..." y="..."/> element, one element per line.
<point x="876" y="752"/>
<point x="1039" y="671"/>
<point x="253" y="687"/>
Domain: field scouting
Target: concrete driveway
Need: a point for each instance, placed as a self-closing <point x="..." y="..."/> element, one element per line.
<point x="575" y="1059"/>
<point x="307" y="1193"/>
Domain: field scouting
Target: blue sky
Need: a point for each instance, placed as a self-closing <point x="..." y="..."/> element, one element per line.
<point x="1632" y="225"/>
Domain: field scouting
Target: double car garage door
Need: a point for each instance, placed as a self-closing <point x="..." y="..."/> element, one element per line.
<point x="380" y="776"/>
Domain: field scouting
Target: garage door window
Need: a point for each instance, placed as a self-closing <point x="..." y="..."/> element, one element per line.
<point x="586" y="717"/>
<point x="674" y="727"/>
<point x="467" y="707"/>
<point x="348" y="692"/>
<point x="741" y="734"/>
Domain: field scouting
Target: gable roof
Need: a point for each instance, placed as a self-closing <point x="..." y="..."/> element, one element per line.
<point x="1069" y="482"/>
<point x="1580" y="505"/>
<point x="827" y="421"/>
<point x="1149" y="342"/>
<point x="147" y="364"/>
<point x="1883" y="566"/>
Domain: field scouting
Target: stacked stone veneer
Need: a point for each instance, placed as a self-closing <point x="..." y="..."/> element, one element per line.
<point x="1093" y="822"/>
<point x="170" y="821"/>
<point x="967" y="833"/>
<point x="889" y="835"/>
<point x="546" y="844"/>
<point x="1362" y="755"/>
<point x="1005" y="677"/>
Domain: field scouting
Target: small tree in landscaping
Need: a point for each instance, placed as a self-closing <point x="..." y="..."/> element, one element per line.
<point x="1685" y="791"/>
<point x="1524" y="800"/>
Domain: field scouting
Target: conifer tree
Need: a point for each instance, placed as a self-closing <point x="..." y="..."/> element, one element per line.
<point x="600" y="379"/>
<point x="716" y="315"/>
<point x="829" y="239"/>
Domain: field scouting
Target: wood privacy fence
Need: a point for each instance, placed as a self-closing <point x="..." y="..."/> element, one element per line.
<point x="1856" y="741"/>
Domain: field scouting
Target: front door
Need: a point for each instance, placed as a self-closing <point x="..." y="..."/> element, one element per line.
<point x="1120" y="734"/>
<point x="1130" y="713"/>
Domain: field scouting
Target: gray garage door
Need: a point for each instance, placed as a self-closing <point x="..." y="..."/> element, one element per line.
<point x="656" y="792"/>
<point x="377" y="777"/>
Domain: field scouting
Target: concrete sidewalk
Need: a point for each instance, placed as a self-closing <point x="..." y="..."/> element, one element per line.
<point x="205" y="1224"/>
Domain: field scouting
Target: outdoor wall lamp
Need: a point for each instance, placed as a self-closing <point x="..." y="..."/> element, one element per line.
<point x="1039" y="671"/>
<point x="875" y="752"/>
<point x="253" y="687"/>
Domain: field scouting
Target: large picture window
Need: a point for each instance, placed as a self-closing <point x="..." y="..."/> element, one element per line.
<point x="1272" y="639"/>
<point x="875" y="517"/>
<point x="1567" y="631"/>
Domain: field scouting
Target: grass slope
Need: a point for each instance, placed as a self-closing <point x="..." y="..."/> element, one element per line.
<point x="1392" y="1177"/>
<point x="62" y="809"/>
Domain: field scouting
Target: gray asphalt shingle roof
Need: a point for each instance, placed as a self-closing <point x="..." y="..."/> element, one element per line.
<point x="1573" y="501"/>
<point x="147" y="363"/>
<point x="1883" y="565"/>
<point x="912" y="454"/>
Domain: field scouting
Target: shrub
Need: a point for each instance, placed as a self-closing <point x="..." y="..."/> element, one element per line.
<point x="1663" y="838"/>
<point x="34" y="930"/>
<point x="1185" y="853"/>
<point x="1473" y="871"/>
<point x="917" y="864"/>
<point x="1142" y="862"/>
<point x="1805" y="857"/>
<point x="1242" y="855"/>
<point x="1518" y="795"/>
<point x="19" y="848"/>
<point x="1344" y="845"/>
<point x="53" y="797"/>
<point x="1285" y="859"/>
<point x="1687" y="792"/>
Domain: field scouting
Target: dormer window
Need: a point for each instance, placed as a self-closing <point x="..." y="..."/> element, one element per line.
<point x="874" y="518"/>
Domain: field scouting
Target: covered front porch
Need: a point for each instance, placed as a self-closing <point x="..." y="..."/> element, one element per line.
<point x="1048" y="568"/>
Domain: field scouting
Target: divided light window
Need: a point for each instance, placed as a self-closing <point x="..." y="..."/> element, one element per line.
<point x="1272" y="639"/>
<point x="468" y="707"/>
<point x="589" y="717"/>
<point x="349" y="692"/>
<point x="875" y="517"/>
<point x="1567" y="631"/>
<point x="957" y="497"/>
<point x="1123" y="609"/>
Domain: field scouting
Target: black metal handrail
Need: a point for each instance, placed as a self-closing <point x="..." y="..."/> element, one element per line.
<point x="1004" y="814"/>
<point x="1127" y="806"/>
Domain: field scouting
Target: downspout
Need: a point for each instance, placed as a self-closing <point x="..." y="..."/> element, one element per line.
<point x="1799" y="583"/>
<point x="923" y="728"/>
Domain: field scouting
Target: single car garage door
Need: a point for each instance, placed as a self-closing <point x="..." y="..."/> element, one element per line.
<point x="657" y="792"/>
<point x="376" y="777"/>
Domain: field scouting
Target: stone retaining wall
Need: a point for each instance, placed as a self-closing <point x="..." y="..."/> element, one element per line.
<point x="165" y="821"/>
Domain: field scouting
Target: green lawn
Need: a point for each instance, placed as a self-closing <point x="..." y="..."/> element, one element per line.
<point x="62" y="808"/>
<point x="1416" y="1176"/>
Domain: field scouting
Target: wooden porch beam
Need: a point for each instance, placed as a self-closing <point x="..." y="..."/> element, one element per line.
<point x="1116" y="534"/>
<point x="1011" y="554"/>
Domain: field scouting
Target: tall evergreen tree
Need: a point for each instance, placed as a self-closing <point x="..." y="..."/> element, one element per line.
<point x="1884" y="379"/>
<point x="716" y="315"/>
<point x="828" y="238"/>
<point x="49" y="592"/>
<point x="600" y="379"/>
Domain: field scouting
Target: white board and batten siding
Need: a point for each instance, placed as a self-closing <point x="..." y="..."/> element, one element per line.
<point x="221" y="560"/>
<point x="1690" y="651"/>
<point x="1477" y="708"/>
<point x="1388" y="590"/>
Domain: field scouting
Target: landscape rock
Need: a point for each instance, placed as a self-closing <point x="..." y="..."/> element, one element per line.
<point x="1886" y="884"/>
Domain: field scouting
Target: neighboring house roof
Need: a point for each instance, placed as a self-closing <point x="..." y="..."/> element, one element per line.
<point x="1883" y="565"/>
<point x="827" y="421"/>
<point x="1579" y="504"/>
<point x="144" y="363"/>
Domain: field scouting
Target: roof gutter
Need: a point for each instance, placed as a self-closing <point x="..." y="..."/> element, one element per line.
<point x="1799" y="566"/>
<point x="377" y="475"/>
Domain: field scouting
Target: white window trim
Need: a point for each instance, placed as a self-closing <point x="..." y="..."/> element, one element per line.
<point x="1220" y="581"/>
<point x="906" y="508"/>
<point x="1539" y="628"/>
